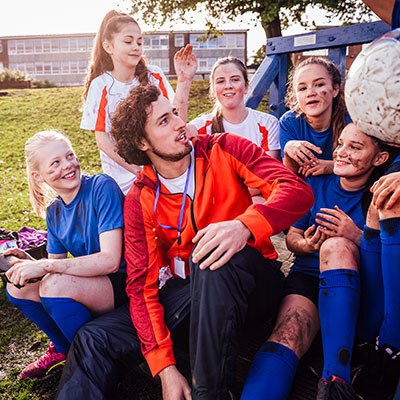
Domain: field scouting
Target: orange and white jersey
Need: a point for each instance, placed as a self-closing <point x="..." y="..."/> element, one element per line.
<point x="104" y="95"/>
<point x="259" y="127"/>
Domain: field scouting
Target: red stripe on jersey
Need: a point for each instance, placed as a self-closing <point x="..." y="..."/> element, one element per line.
<point x="264" y="140"/>
<point x="161" y="84"/>
<point x="203" y="129"/>
<point x="101" y="116"/>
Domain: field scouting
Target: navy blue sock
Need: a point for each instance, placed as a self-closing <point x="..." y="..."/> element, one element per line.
<point x="67" y="313"/>
<point x="38" y="315"/>
<point x="271" y="374"/>
<point x="390" y="236"/>
<point x="339" y="298"/>
<point x="370" y="316"/>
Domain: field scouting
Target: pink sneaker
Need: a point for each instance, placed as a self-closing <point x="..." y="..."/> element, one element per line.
<point x="41" y="367"/>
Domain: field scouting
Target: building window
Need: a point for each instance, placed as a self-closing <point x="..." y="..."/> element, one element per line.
<point x="12" y="47"/>
<point x="56" y="67"/>
<point x="39" y="68"/>
<point x="156" y="42"/>
<point x="29" y="45"/>
<point x="162" y="63"/>
<point x="206" y="64"/>
<point x="1" y="47"/>
<point x="179" y="40"/>
<point x="38" y="46"/>
<point x="55" y="45"/>
<point x="46" y="46"/>
<point x="1" y="67"/>
<point x="65" y="67"/>
<point x="30" y="68"/>
<point x="83" y="67"/>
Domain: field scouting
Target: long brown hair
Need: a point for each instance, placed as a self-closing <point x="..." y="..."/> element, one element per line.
<point x="217" y="125"/>
<point x="100" y="60"/>
<point x="338" y="119"/>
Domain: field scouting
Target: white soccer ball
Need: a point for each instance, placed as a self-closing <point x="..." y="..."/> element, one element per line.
<point x="372" y="89"/>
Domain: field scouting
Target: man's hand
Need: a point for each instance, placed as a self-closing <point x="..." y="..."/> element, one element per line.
<point x="185" y="64"/>
<point x="301" y="151"/>
<point x="174" y="385"/>
<point x="222" y="240"/>
<point x="336" y="223"/>
<point x="386" y="191"/>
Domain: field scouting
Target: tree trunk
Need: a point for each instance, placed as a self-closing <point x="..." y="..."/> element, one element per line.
<point x="273" y="29"/>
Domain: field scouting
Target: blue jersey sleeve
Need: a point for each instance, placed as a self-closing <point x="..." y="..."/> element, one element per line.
<point x="396" y="15"/>
<point x="287" y="130"/>
<point x="108" y="201"/>
<point x="54" y="246"/>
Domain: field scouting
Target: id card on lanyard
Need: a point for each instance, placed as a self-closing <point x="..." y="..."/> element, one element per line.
<point x="179" y="264"/>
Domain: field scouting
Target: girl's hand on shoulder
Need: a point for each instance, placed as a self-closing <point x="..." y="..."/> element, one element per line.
<point x="386" y="191"/>
<point x="313" y="239"/>
<point x="301" y="151"/>
<point x="336" y="223"/>
<point x="185" y="63"/>
<point x="324" y="167"/>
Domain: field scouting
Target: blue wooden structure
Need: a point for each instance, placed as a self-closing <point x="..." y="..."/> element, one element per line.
<point x="272" y="73"/>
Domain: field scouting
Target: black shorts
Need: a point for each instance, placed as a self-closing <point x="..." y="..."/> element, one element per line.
<point x="118" y="282"/>
<point x="303" y="284"/>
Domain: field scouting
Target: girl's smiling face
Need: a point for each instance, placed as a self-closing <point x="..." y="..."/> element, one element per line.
<point x="356" y="154"/>
<point x="229" y="86"/>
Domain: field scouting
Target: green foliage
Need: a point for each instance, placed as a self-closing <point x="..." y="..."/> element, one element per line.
<point x="13" y="75"/>
<point x="258" y="58"/>
<point x="273" y="15"/>
<point x="43" y="84"/>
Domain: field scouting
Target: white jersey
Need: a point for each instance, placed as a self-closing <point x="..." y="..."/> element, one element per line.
<point x="104" y="95"/>
<point x="259" y="127"/>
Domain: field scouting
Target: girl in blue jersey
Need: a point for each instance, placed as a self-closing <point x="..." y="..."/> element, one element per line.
<point x="323" y="286"/>
<point x="117" y="66"/>
<point x="310" y="130"/>
<point x="85" y="220"/>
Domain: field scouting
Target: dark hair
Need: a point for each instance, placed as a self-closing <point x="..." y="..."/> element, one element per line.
<point x="338" y="119"/>
<point x="378" y="172"/>
<point x="217" y="123"/>
<point x="101" y="61"/>
<point x="128" y="122"/>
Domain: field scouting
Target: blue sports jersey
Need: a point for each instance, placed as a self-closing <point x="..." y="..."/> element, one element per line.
<point x="328" y="193"/>
<point x="293" y="127"/>
<point x="75" y="227"/>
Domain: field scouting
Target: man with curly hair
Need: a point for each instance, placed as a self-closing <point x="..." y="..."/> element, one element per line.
<point x="198" y="254"/>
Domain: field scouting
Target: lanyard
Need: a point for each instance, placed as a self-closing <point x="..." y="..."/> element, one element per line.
<point x="182" y="207"/>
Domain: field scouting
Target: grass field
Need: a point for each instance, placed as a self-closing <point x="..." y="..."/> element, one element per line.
<point x="23" y="113"/>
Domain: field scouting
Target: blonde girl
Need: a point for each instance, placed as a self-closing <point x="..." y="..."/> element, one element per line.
<point x="84" y="220"/>
<point x="117" y="66"/>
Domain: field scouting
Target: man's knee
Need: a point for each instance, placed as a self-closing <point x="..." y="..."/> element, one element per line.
<point x="52" y="285"/>
<point x="337" y="253"/>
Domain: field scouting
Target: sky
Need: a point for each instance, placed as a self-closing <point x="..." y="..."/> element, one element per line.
<point x="36" y="17"/>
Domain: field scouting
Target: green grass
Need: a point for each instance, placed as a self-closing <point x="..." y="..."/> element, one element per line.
<point x="23" y="113"/>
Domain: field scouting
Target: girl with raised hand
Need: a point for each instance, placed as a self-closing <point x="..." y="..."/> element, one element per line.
<point x="85" y="220"/>
<point x="229" y="83"/>
<point x="310" y="130"/>
<point x="117" y="66"/>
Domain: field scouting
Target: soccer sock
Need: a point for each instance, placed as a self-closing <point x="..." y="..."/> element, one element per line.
<point x="38" y="315"/>
<point x="390" y="236"/>
<point x="371" y="303"/>
<point x="339" y="298"/>
<point x="68" y="314"/>
<point x="271" y="374"/>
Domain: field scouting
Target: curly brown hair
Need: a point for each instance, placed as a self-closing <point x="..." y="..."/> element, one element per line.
<point x="129" y="120"/>
<point x="338" y="119"/>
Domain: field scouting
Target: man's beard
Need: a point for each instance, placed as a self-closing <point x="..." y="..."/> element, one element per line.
<point x="169" y="156"/>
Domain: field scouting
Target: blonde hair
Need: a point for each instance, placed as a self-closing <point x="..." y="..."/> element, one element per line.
<point x="101" y="61"/>
<point x="217" y="123"/>
<point x="39" y="192"/>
